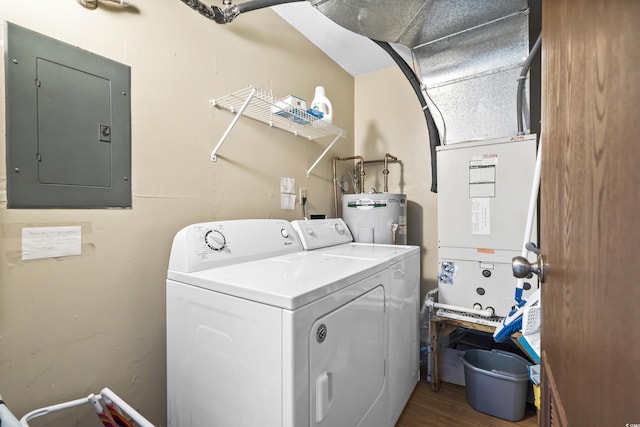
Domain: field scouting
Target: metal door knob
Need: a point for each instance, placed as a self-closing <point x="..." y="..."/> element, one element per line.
<point x="522" y="267"/>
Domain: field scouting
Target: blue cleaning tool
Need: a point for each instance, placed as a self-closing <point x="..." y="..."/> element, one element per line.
<point x="512" y="322"/>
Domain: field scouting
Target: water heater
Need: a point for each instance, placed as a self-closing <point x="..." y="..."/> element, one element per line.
<point x="376" y="217"/>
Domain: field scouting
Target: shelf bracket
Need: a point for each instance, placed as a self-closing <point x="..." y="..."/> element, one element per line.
<point x="232" y="124"/>
<point x="324" y="152"/>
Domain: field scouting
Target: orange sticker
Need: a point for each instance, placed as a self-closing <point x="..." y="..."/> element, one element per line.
<point x="486" y="251"/>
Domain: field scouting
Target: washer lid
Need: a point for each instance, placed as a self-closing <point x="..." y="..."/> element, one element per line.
<point x="380" y="252"/>
<point x="287" y="281"/>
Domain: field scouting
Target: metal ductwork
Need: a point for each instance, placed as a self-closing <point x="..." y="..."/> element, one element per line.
<point x="468" y="54"/>
<point x="415" y="22"/>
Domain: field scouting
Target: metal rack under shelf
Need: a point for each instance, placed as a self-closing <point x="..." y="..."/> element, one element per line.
<point x="262" y="106"/>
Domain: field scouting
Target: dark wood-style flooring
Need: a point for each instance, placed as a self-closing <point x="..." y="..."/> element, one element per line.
<point x="449" y="407"/>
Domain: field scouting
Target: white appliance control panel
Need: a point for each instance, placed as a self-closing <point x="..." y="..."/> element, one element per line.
<point x="319" y="233"/>
<point x="214" y="244"/>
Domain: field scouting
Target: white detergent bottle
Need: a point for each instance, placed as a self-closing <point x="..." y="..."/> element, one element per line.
<point x="321" y="103"/>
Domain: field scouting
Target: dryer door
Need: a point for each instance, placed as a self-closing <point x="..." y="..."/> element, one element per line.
<point x="347" y="364"/>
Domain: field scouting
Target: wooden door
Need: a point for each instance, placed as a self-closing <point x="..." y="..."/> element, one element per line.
<point x="590" y="212"/>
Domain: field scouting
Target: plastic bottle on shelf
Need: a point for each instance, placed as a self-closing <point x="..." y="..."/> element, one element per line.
<point x="322" y="104"/>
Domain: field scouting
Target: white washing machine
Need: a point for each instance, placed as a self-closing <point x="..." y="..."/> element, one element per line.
<point x="262" y="333"/>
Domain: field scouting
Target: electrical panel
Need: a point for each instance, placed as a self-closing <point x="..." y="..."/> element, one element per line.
<point x="484" y="188"/>
<point x="68" y="125"/>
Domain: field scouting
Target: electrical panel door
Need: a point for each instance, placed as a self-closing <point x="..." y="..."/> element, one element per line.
<point x="68" y="125"/>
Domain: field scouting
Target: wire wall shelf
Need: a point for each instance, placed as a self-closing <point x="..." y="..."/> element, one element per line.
<point x="262" y="106"/>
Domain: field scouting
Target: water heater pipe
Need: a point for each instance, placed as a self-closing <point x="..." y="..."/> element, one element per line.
<point x="394" y="233"/>
<point x="335" y="178"/>
<point x="371" y="162"/>
<point x="388" y="158"/>
<point x="430" y="302"/>
<point x="385" y="171"/>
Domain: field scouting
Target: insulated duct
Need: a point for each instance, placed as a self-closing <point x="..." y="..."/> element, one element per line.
<point x="232" y="11"/>
<point x="434" y="134"/>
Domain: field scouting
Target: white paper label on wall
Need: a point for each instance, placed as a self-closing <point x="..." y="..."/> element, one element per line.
<point x="51" y="242"/>
<point x="481" y="216"/>
<point x="287" y="201"/>
<point x="287" y="185"/>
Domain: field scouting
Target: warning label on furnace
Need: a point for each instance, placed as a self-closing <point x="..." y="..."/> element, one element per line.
<point x="481" y="216"/>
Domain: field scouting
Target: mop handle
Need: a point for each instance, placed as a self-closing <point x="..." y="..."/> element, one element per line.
<point x="533" y="201"/>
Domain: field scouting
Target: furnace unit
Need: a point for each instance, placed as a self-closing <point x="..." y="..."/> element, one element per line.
<point x="483" y="197"/>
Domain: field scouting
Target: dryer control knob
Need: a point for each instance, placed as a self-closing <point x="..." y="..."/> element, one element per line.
<point x="340" y="228"/>
<point x="284" y="233"/>
<point x="310" y="231"/>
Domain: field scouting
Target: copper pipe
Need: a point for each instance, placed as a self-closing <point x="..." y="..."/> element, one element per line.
<point x="335" y="178"/>
<point x="385" y="171"/>
<point x="394" y="233"/>
<point x="335" y="188"/>
<point x="361" y="174"/>
<point x="371" y="162"/>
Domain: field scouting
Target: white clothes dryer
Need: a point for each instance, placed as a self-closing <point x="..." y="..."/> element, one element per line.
<point x="403" y="300"/>
<point x="262" y="333"/>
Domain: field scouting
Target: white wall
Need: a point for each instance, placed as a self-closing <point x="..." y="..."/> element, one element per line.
<point x="70" y="326"/>
<point x="389" y="119"/>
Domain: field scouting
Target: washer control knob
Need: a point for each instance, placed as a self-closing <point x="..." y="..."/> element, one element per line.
<point x="340" y="228"/>
<point x="310" y="231"/>
<point x="215" y="240"/>
<point x="284" y="233"/>
<point x="477" y="306"/>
